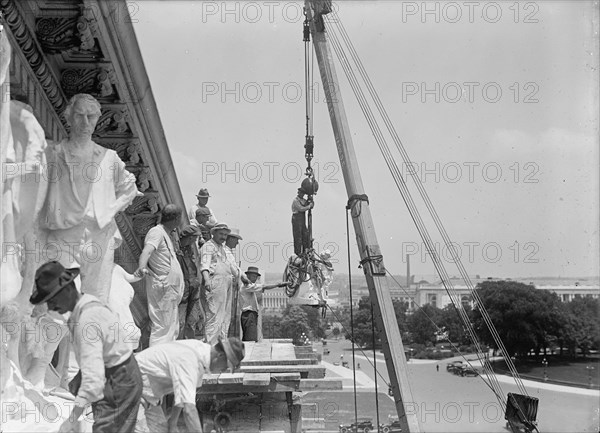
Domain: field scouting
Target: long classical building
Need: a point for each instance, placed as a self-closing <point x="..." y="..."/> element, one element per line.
<point x="64" y="47"/>
<point x="423" y="292"/>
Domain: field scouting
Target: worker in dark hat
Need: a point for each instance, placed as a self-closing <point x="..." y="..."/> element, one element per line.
<point x="190" y="312"/>
<point x="202" y="197"/>
<point x="109" y="375"/>
<point x="249" y="303"/>
<point x="202" y="221"/>
<point x="178" y="368"/>
<point x="299" y="230"/>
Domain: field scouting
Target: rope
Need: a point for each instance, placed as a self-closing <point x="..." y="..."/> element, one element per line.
<point x="375" y="365"/>
<point x="439" y="225"/>
<point x="392" y="166"/>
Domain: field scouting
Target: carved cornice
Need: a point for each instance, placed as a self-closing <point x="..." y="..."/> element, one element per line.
<point x="128" y="233"/>
<point x="130" y="151"/>
<point x="96" y="82"/>
<point x="113" y="121"/>
<point x="57" y="34"/>
<point x="148" y="204"/>
<point x="33" y="53"/>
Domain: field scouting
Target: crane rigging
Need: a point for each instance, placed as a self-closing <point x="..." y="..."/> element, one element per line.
<point x="520" y="409"/>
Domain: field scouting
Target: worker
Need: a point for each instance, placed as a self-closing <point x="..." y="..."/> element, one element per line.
<point x="202" y="197"/>
<point x="109" y="377"/>
<point x="178" y="368"/>
<point x="190" y="312"/>
<point x="299" y="230"/>
<point x="217" y="278"/>
<point x="119" y="299"/>
<point x="249" y="303"/>
<point x="158" y="259"/>
<point x="202" y="220"/>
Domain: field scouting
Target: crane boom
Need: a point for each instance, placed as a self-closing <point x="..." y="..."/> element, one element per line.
<point x="363" y="224"/>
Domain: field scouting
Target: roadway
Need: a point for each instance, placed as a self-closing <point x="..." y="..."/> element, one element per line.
<point x="443" y="402"/>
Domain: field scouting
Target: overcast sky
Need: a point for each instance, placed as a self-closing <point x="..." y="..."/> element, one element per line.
<point x="495" y="102"/>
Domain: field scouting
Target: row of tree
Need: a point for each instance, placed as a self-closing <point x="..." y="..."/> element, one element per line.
<point x="525" y="318"/>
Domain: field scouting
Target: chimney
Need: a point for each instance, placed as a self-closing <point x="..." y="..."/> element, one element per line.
<point x="408" y="271"/>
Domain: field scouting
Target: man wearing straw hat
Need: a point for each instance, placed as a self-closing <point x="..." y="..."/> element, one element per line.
<point x="217" y="277"/>
<point x="110" y="377"/>
<point x="249" y="303"/>
<point x="178" y="368"/>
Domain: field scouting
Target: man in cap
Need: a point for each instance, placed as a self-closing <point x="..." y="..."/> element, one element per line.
<point x="217" y="277"/>
<point x="299" y="230"/>
<point x="159" y="260"/>
<point x="178" y="368"/>
<point x="231" y="243"/>
<point x="189" y="308"/>
<point x="249" y="303"/>
<point x="202" y="220"/>
<point x="202" y="197"/>
<point x="110" y="377"/>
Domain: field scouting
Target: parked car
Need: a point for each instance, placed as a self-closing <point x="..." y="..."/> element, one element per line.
<point x="453" y="366"/>
<point x="393" y="427"/>
<point x="326" y="351"/>
<point x="465" y="370"/>
<point x="363" y="426"/>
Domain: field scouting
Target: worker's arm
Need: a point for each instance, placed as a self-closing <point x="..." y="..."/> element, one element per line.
<point x="191" y="418"/>
<point x="143" y="262"/>
<point x="275" y="286"/>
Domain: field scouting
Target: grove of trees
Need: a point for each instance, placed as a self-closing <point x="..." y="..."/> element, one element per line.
<point x="525" y="318"/>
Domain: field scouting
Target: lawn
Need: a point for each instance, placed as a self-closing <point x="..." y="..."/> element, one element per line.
<point x="575" y="371"/>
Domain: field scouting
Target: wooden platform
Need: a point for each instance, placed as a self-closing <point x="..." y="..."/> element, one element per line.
<point x="264" y="394"/>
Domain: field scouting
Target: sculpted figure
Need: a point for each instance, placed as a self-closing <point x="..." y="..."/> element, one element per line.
<point x="87" y="185"/>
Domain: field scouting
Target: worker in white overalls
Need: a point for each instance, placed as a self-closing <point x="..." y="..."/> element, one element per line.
<point x="217" y="280"/>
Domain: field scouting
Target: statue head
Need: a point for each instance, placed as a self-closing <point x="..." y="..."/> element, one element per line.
<point x="82" y="114"/>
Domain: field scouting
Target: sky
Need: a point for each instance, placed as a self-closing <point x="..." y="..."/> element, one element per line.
<point x="495" y="102"/>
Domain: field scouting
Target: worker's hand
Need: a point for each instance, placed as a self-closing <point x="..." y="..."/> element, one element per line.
<point x="207" y="286"/>
<point x="69" y="426"/>
<point x="245" y="279"/>
<point x="141" y="272"/>
<point x="311" y="205"/>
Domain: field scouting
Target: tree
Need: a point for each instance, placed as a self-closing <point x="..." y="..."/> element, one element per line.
<point x="422" y="324"/>
<point x="582" y="325"/>
<point x="524" y="317"/>
<point x="335" y="332"/>
<point x="452" y="322"/>
<point x="293" y="323"/>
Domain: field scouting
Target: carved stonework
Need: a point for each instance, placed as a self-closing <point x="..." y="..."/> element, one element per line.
<point x="86" y="27"/>
<point x="144" y="180"/>
<point x="129" y="151"/>
<point x="148" y="204"/>
<point x="144" y="222"/>
<point x="126" y="228"/>
<point x="57" y="34"/>
<point x="27" y="43"/>
<point x="96" y="82"/>
<point x="113" y="122"/>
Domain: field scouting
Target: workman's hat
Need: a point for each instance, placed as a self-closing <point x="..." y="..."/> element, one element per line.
<point x="301" y="190"/>
<point x="235" y="233"/>
<point x="234" y="351"/>
<point x="203" y="193"/>
<point x="50" y="278"/>
<point x="190" y="230"/>
<point x="252" y="270"/>
<point x="220" y="226"/>
<point x="202" y="210"/>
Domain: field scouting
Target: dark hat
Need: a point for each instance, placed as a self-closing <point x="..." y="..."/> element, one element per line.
<point x="50" y="278"/>
<point x="203" y="193"/>
<point x="252" y="270"/>
<point x="203" y="210"/>
<point x="190" y="230"/>
<point x="234" y="351"/>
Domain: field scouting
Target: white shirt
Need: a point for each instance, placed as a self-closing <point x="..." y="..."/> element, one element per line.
<point x="176" y="367"/>
<point x="119" y="299"/>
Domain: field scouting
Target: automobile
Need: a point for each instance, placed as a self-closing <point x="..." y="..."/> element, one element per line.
<point x="345" y="364"/>
<point x="362" y="426"/>
<point x="336" y="363"/>
<point x="393" y="427"/>
<point x="465" y="370"/>
<point x="326" y="351"/>
<point x="452" y="366"/>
